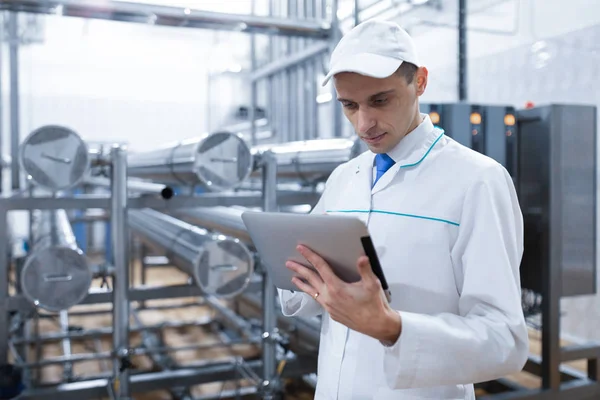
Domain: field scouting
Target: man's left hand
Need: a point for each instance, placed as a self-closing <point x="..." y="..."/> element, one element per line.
<point x="361" y="306"/>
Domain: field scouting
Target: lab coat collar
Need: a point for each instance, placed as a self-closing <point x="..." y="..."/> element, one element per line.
<point x="410" y="152"/>
<point x="411" y="149"/>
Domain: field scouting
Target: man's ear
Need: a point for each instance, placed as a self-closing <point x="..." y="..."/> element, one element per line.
<point x="421" y="80"/>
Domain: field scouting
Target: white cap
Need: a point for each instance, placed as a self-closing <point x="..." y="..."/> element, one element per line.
<point x="374" y="48"/>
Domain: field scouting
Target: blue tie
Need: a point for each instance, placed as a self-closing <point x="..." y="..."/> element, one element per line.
<point x="383" y="162"/>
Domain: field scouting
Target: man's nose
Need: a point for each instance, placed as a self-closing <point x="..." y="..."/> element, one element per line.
<point x="365" y="121"/>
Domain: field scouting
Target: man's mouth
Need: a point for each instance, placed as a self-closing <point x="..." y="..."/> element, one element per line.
<point x="374" y="139"/>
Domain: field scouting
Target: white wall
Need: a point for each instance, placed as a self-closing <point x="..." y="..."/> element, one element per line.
<point x="113" y="81"/>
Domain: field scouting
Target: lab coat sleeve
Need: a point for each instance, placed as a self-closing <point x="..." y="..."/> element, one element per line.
<point x="488" y="338"/>
<point x="298" y="303"/>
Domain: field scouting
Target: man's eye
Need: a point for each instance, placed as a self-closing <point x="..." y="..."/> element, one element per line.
<point x="349" y="105"/>
<point x="380" y="101"/>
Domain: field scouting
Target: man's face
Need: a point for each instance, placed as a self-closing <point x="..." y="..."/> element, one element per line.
<point x="382" y="111"/>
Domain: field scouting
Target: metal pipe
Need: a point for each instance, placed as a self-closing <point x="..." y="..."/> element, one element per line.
<point x="306" y="331"/>
<point x="165" y="191"/>
<point x="220" y="265"/>
<point x="310" y="161"/>
<point x="13" y="40"/>
<point x="3" y="165"/>
<point x="161" y="360"/>
<point x="4" y="287"/>
<point x="269" y="356"/>
<point x="56" y="275"/>
<point x="226" y="220"/>
<point x="171" y="16"/>
<point x="66" y="345"/>
<point x="218" y="161"/>
<point x="284" y="63"/>
<point x="336" y="35"/>
<point x="241" y="324"/>
<point x="118" y="220"/>
<point x="55" y="157"/>
<point x="99" y="332"/>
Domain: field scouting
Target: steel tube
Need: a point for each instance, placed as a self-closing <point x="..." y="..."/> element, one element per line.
<point x="270" y="379"/>
<point x="171" y="16"/>
<point x="13" y="40"/>
<point x="118" y="219"/>
<point x="310" y="161"/>
<point x="164" y="191"/>
<point x="218" y="162"/>
<point x="226" y="220"/>
<point x="3" y="165"/>
<point x="219" y="265"/>
<point x="66" y="345"/>
<point x="4" y="293"/>
<point x="162" y="361"/>
<point x="56" y="275"/>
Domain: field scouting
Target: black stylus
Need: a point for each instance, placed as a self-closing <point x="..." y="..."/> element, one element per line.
<point x="374" y="260"/>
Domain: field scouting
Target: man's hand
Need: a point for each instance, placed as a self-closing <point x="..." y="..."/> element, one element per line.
<point x="361" y="306"/>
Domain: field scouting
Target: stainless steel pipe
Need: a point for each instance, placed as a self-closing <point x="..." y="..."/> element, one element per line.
<point x="220" y="265"/>
<point x="218" y="162"/>
<point x="171" y="16"/>
<point x="164" y="191"/>
<point x="310" y="161"/>
<point x="55" y="157"/>
<point x="225" y="220"/>
<point x="56" y="275"/>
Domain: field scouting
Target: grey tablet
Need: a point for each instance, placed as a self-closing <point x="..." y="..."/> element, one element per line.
<point x="335" y="238"/>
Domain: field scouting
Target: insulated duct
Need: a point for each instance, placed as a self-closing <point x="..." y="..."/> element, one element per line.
<point x="310" y="161"/>
<point x="218" y="162"/>
<point x="220" y="265"/>
<point x="56" y="274"/>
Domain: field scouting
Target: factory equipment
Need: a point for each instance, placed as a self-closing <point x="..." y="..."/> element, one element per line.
<point x="488" y="129"/>
<point x="557" y="192"/>
<point x="311" y="161"/>
<point x="226" y="220"/>
<point x="55" y="157"/>
<point x="219" y="161"/>
<point x="136" y="186"/>
<point x="220" y="265"/>
<point x="56" y="274"/>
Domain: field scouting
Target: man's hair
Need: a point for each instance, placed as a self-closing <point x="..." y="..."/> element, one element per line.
<point x="408" y="71"/>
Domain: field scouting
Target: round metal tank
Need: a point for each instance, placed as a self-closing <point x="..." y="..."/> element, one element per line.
<point x="55" y="156"/>
<point x="218" y="162"/>
<point x="56" y="275"/>
<point x="220" y="265"/>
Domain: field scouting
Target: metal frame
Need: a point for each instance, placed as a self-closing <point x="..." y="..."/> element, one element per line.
<point x="122" y="383"/>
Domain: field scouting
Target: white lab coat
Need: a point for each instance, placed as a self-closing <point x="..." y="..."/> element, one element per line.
<point x="448" y="229"/>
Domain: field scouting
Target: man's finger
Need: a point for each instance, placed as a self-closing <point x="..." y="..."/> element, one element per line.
<point x="364" y="269"/>
<point x="320" y="265"/>
<point x="306" y="273"/>
<point x="306" y="288"/>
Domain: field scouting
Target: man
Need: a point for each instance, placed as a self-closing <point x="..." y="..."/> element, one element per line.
<point x="448" y="230"/>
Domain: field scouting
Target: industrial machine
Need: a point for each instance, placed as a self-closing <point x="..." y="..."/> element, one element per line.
<point x="488" y="129"/>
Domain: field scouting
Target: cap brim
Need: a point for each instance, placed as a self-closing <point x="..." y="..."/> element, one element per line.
<point x="373" y="65"/>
